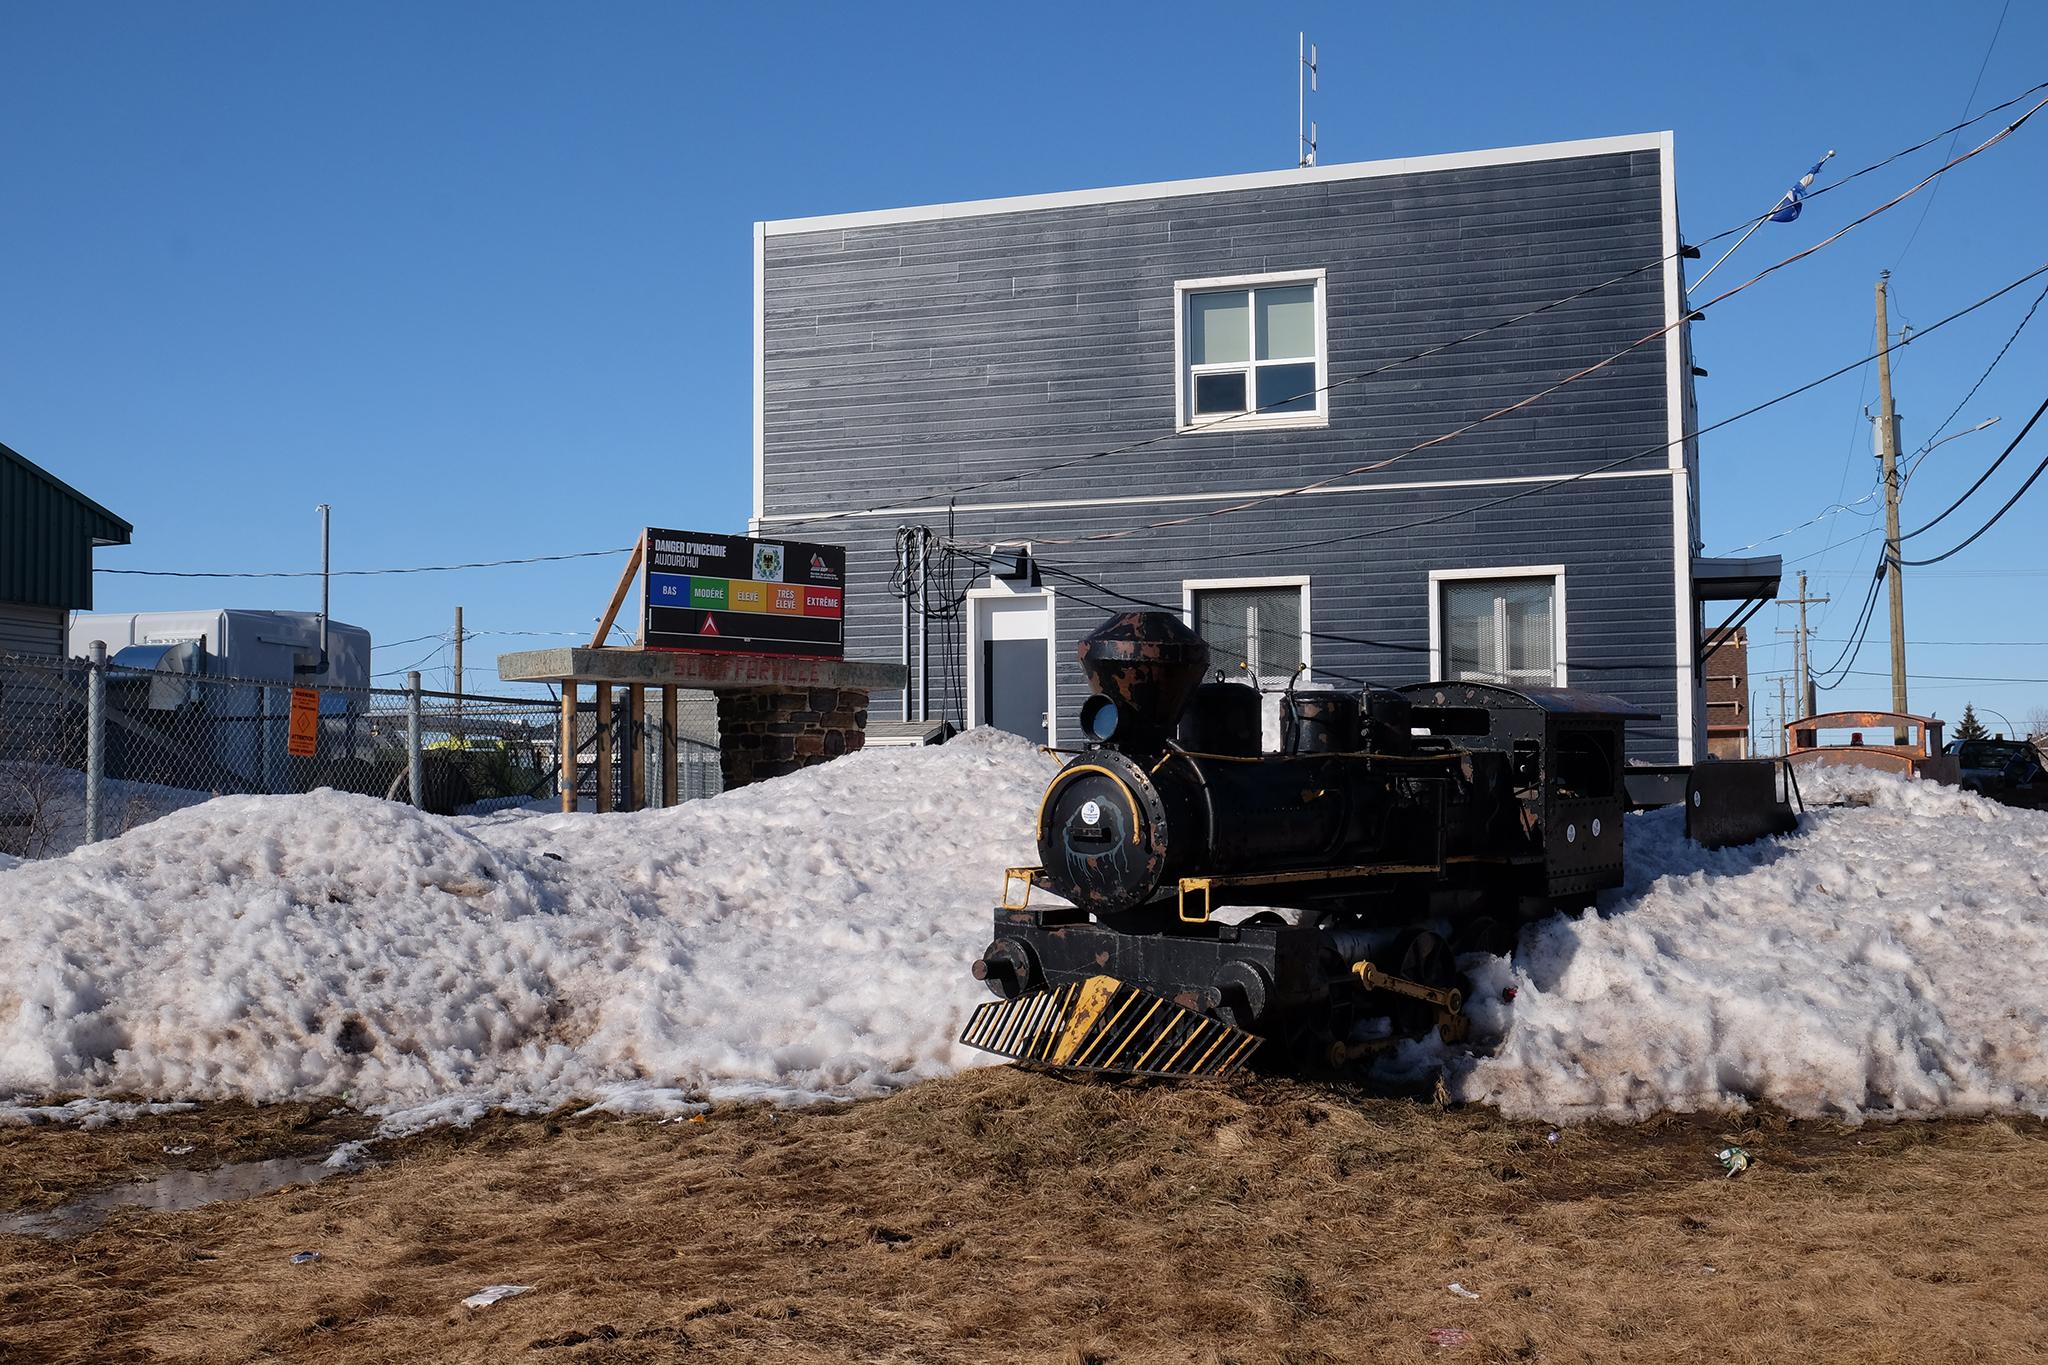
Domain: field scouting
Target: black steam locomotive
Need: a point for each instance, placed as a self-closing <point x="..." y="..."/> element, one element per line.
<point x="1394" y="830"/>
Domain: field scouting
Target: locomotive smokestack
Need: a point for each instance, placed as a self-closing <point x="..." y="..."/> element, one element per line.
<point x="1143" y="667"/>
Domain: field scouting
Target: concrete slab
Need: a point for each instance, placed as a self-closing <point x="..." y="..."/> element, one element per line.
<point x="709" y="672"/>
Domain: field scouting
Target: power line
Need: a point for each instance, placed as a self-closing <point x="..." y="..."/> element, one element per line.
<point x="1534" y="489"/>
<point x="1836" y="508"/>
<point x="1993" y="469"/>
<point x="394" y="644"/>
<point x="430" y="655"/>
<point x="1838" y="670"/>
<point x="1832" y="639"/>
<point x="1831" y="510"/>
<point x="1946" y="677"/>
<point x="369" y="573"/>
<point x="1928" y="207"/>
<point x="1935" y="435"/>
<point x="1110" y="452"/>
<point x="1597" y="366"/>
<point x="2021" y="492"/>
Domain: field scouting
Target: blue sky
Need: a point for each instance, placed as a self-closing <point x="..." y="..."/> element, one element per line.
<point x="480" y="276"/>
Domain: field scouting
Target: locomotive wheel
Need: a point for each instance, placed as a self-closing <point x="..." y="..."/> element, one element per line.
<point x="1486" y="935"/>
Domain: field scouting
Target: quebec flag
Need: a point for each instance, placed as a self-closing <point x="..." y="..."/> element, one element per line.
<point x="1788" y="208"/>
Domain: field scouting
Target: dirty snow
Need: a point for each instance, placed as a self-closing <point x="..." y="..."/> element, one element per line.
<point x="807" y="938"/>
<point x="1886" y="960"/>
<point x="794" y="940"/>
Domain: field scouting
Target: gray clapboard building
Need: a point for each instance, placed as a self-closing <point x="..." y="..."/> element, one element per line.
<point x="1207" y="395"/>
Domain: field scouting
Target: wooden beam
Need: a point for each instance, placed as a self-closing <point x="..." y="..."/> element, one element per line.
<point x="671" y="790"/>
<point x="636" y="748"/>
<point x="603" y="753"/>
<point x="611" y="613"/>
<point x="567" y="746"/>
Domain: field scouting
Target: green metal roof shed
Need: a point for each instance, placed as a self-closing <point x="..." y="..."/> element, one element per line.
<point x="47" y="533"/>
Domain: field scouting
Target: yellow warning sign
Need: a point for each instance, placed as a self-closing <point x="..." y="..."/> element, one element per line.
<point x="304" y="738"/>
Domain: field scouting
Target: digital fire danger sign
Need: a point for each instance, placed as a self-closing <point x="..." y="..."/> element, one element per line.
<point x="735" y="595"/>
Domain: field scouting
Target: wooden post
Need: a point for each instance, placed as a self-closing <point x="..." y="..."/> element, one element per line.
<point x="636" y="748"/>
<point x="626" y="581"/>
<point x="567" y="752"/>
<point x="671" y="790"/>
<point x="603" y="753"/>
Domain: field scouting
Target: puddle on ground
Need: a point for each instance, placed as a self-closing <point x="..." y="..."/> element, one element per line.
<point x="177" y="1190"/>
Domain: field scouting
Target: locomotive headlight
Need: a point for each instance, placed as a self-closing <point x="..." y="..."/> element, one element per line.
<point x="1099" y="718"/>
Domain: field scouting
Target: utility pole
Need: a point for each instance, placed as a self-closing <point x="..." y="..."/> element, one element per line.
<point x="458" y="654"/>
<point x="1888" y="457"/>
<point x="1802" y="647"/>
<point x="1782" y="716"/>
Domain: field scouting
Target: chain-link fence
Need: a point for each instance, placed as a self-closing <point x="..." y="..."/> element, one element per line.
<point x="89" y="750"/>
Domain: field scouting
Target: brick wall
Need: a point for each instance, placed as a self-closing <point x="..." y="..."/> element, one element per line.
<point x="767" y="732"/>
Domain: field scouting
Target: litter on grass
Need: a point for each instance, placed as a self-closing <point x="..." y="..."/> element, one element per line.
<point x="304" y="1257"/>
<point x="1461" y="1291"/>
<point x="1735" y="1160"/>
<point x="491" y="1294"/>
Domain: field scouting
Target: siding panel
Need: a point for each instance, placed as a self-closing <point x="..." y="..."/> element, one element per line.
<point x="903" y="360"/>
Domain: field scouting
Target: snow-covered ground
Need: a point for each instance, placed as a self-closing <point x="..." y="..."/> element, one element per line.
<point x="796" y="939"/>
<point x="808" y="938"/>
<point x="1887" y="959"/>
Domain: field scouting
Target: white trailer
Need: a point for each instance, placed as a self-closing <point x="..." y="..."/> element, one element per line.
<point x="262" y="646"/>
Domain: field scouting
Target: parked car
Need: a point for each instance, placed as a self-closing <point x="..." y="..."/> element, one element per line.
<point x="2006" y="770"/>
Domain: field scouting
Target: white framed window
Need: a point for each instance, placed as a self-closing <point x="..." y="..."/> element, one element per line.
<point x="1498" y="625"/>
<point x="1256" y="627"/>
<point x="1251" y="351"/>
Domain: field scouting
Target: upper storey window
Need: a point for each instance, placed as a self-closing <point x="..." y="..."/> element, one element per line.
<point x="1252" y="351"/>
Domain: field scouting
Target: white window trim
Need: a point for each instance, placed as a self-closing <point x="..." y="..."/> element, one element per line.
<point x="1184" y="420"/>
<point x="1001" y="591"/>
<point x="1438" y="577"/>
<point x="1190" y="586"/>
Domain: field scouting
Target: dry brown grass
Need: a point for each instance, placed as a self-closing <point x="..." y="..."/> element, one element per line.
<point x="1006" y="1216"/>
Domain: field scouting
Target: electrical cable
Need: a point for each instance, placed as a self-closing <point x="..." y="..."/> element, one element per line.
<point x="2019" y="493"/>
<point x="1597" y="366"/>
<point x="1928" y="207"/>
<point x="1534" y="489"/>
<point x="1935" y="435"/>
<point x="1993" y="469"/>
<point x="1839" y="669"/>
<point x="1330" y="637"/>
<point x="393" y="644"/>
<point x="431" y="654"/>
<point x="1832" y="509"/>
<point x="1040" y="471"/>
<point x="367" y="573"/>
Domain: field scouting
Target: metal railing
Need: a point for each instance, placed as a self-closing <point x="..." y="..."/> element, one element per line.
<point x="89" y="749"/>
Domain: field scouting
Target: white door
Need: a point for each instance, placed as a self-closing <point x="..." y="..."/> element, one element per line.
<point x="1010" y="663"/>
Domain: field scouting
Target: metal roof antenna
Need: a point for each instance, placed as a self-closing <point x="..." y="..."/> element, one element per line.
<point x="1304" y="85"/>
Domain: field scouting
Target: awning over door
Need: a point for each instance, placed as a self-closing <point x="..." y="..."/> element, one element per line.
<point x="1748" y="583"/>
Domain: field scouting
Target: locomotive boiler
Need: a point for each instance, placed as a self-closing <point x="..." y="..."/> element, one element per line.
<point x="1199" y="897"/>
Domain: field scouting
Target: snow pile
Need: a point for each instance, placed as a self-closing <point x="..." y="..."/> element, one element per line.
<point x="808" y="938"/>
<point x="1887" y="959"/>
<point x="42" y="807"/>
<point x="801" y="938"/>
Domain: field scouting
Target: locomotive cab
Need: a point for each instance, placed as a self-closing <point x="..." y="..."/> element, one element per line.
<point x="1565" y="750"/>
